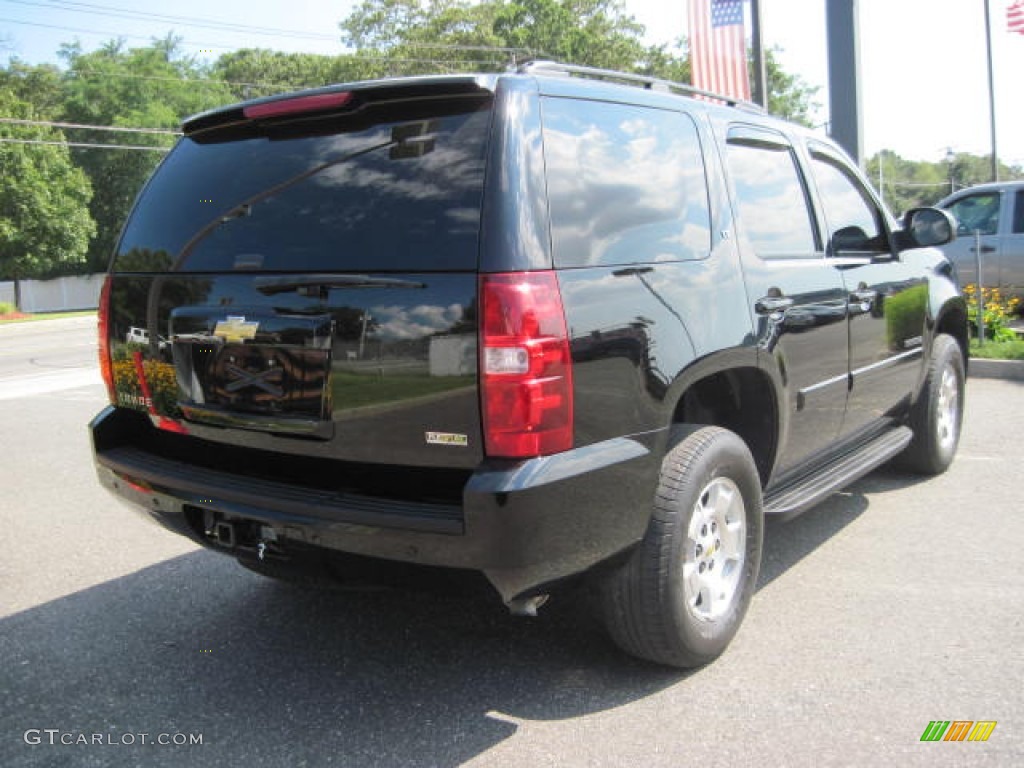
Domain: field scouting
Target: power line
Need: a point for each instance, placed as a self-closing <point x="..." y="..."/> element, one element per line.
<point x="220" y="26"/>
<point x="50" y="124"/>
<point x="111" y="34"/>
<point x="356" y="56"/>
<point x="127" y="76"/>
<point x="81" y="144"/>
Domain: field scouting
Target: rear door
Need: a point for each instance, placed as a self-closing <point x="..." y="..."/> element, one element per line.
<point x="797" y="296"/>
<point x="308" y="279"/>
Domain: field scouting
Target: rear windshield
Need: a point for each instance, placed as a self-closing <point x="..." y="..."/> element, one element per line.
<point x="395" y="195"/>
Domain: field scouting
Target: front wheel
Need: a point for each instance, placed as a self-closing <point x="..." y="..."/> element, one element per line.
<point x="937" y="415"/>
<point x="681" y="597"/>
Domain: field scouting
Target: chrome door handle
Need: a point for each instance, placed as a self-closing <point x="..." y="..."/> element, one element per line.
<point x="771" y="304"/>
<point x="863" y="296"/>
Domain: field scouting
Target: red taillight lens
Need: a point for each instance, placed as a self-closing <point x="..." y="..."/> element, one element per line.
<point x="525" y="365"/>
<point x="103" y="329"/>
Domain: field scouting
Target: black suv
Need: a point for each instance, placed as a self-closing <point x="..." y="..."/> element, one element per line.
<point x="547" y="324"/>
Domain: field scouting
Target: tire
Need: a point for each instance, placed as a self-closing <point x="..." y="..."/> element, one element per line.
<point x="937" y="415"/>
<point x="660" y="605"/>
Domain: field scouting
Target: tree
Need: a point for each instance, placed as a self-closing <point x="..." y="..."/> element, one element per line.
<point x="253" y="72"/>
<point x="44" y="216"/>
<point x="414" y="36"/>
<point x="152" y="87"/>
<point x="39" y="85"/>
<point x="906" y="184"/>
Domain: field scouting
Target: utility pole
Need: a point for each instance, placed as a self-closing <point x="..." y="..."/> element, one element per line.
<point x="843" y="37"/>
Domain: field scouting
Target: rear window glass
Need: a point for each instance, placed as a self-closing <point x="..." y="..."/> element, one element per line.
<point x="626" y="184"/>
<point x="393" y="196"/>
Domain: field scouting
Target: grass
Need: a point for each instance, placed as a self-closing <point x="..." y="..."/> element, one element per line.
<point x="998" y="350"/>
<point x="21" y="318"/>
<point x="357" y="390"/>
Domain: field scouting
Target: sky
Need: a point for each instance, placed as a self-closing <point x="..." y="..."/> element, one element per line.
<point x="924" y="83"/>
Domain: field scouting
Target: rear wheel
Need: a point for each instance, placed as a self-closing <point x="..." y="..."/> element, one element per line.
<point x="681" y="597"/>
<point x="937" y="415"/>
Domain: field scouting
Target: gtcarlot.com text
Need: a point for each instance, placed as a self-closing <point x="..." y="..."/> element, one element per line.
<point x="56" y="737"/>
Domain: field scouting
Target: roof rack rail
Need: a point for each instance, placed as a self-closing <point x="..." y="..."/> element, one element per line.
<point x="546" y="67"/>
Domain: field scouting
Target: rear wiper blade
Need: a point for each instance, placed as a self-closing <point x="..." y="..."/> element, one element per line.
<point x="270" y="286"/>
<point x="244" y="208"/>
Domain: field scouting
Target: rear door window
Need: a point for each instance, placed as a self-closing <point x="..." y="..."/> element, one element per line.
<point x="626" y="184"/>
<point x="329" y="197"/>
<point x="771" y="196"/>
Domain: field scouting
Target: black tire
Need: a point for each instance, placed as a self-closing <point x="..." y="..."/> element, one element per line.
<point x="653" y="605"/>
<point x="934" y="419"/>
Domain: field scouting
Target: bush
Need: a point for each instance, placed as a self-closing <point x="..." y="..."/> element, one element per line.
<point x="998" y="312"/>
<point x="6" y="308"/>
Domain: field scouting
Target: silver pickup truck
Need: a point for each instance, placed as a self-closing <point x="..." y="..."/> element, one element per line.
<point x="996" y="213"/>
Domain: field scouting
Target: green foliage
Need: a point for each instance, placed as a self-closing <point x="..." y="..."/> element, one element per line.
<point x="998" y="350"/>
<point x="789" y="96"/>
<point x="7" y="308"/>
<point x="410" y="37"/>
<point x="903" y="313"/>
<point x="44" y="218"/>
<point x="254" y="72"/>
<point x="150" y="87"/>
<point x="998" y="311"/>
<point x="907" y="184"/>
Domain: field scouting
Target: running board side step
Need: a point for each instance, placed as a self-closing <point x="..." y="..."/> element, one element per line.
<point x="793" y="498"/>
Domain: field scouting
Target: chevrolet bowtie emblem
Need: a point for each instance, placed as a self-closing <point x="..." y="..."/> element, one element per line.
<point x="260" y="379"/>
<point x="235" y="328"/>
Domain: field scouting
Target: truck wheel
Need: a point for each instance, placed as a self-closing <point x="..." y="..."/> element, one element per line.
<point x="937" y="415"/>
<point x="680" y="598"/>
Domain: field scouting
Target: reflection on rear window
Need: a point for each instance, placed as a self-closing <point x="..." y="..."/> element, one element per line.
<point x="340" y="201"/>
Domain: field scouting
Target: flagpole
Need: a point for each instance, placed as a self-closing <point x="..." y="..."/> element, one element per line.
<point x="991" y="92"/>
<point x="757" y="44"/>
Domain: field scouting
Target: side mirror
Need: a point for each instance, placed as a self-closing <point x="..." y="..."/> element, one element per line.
<point x="924" y="227"/>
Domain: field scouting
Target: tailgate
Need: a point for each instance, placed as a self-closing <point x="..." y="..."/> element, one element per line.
<point x="306" y="284"/>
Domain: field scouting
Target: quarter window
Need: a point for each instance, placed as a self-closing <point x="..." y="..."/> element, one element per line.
<point x="626" y="184"/>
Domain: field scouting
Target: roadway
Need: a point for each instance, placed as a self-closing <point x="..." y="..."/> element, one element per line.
<point x="893" y="604"/>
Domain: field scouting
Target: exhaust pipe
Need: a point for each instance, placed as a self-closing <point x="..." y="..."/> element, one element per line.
<point x="527" y="606"/>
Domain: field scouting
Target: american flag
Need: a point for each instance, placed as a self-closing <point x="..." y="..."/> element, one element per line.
<point x="1015" y="17"/>
<point x="718" y="47"/>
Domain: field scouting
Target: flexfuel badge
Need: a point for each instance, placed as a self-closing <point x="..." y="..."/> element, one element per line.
<point x="447" y="438"/>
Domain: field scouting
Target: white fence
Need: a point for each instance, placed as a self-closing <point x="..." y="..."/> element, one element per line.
<point x="63" y="293"/>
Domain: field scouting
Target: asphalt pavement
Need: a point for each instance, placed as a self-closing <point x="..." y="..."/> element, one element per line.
<point x="893" y="604"/>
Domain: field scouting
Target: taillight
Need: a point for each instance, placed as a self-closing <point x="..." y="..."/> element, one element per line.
<point x="525" y="365"/>
<point x="103" y="328"/>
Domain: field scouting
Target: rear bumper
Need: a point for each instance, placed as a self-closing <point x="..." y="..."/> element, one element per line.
<point x="525" y="525"/>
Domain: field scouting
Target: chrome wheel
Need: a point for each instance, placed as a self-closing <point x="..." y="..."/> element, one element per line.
<point x="715" y="549"/>
<point x="947" y="409"/>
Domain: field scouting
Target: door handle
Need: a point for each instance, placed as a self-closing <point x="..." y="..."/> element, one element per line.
<point x="770" y="304"/>
<point x="863" y="296"/>
<point x="984" y="249"/>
